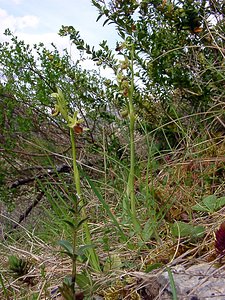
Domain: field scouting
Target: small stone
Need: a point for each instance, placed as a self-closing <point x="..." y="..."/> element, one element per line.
<point x="199" y="282"/>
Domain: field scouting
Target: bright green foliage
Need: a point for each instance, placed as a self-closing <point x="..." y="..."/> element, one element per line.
<point x="29" y="77"/>
<point x="178" y="56"/>
<point x="210" y="204"/>
<point x="173" y="45"/>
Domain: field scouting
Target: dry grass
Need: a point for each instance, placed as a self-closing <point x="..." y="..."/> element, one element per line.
<point x="179" y="183"/>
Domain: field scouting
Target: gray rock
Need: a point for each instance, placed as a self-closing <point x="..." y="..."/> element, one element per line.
<point x="198" y="282"/>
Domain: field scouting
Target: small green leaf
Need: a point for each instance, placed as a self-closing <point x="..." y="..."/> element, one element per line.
<point x="181" y="229"/>
<point x="208" y="204"/>
<point x="71" y="224"/>
<point x="105" y="22"/>
<point x="81" y="222"/>
<point x="68" y="280"/>
<point x="67" y="246"/>
<point x="200" y="207"/>
<point x="220" y="202"/>
<point x="99" y="17"/>
<point x="84" y="282"/>
<point x="66" y="289"/>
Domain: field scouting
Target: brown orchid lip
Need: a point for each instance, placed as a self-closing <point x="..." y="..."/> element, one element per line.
<point x="78" y="129"/>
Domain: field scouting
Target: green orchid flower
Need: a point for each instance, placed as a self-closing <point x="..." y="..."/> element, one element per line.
<point x="61" y="106"/>
<point x="73" y="121"/>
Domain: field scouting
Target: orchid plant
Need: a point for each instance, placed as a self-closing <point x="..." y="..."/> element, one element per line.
<point x="80" y="216"/>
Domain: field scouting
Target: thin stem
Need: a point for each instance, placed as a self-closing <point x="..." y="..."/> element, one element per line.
<point x="76" y="199"/>
<point x="76" y="174"/>
<point x="94" y="261"/>
<point x="131" y="193"/>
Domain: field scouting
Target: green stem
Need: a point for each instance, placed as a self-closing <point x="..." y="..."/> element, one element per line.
<point x="76" y="174"/>
<point x="76" y="177"/>
<point x="94" y="261"/>
<point x="132" y="165"/>
<point x="131" y="194"/>
<point x="74" y="260"/>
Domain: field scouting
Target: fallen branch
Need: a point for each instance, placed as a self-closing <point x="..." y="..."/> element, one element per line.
<point x="26" y="213"/>
<point x="49" y="171"/>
